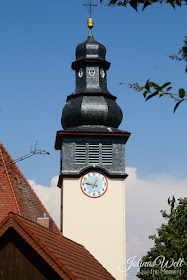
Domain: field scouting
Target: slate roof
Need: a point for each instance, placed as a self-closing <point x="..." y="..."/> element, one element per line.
<point x="15" y="192"/>
<point x="68" y="259"/>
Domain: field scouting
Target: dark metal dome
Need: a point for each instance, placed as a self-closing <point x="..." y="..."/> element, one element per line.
<point x="91" y="110"/>
<point x="90" y="49"/>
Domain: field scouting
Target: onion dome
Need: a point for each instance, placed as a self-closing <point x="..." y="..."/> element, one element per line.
<point x="91" y="104"/>
<point x="91" y="110"/>
<point x="90" y="49"/>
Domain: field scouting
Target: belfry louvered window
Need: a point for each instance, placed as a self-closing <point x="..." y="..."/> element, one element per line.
<point x="93" y="153"/>
<point x="106" y="154"/>
<point x="80" y="153"/>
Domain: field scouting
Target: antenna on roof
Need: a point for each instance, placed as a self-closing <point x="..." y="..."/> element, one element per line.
<point x="32" y="153"/>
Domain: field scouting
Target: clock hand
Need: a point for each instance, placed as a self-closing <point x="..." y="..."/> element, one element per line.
<point x="87" y="182"/>
<point x="94" y="184"/>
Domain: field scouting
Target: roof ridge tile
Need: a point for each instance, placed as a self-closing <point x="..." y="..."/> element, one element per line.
<point x="8" y="177"/>
<point x="37" y="240"/>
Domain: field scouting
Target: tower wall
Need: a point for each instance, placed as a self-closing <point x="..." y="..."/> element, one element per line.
<point x="97" y="223"/>
<point x="93" y="162"/>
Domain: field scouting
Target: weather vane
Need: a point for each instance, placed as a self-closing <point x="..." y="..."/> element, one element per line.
<point x="90" y="22"/>
<point x="91" y="6"/>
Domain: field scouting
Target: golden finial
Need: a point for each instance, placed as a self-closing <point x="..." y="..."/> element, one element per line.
<point x="90" y="23"/>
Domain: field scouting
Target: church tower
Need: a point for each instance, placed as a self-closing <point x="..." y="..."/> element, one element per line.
<point x="92" y="176"/>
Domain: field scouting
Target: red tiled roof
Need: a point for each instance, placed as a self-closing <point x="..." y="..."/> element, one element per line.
<point x="69" y="259"/>
<point x="15" y="192"/>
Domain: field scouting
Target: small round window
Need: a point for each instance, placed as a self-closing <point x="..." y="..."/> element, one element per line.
<point x="102" y="73"/>
<point x="80" y="73"/>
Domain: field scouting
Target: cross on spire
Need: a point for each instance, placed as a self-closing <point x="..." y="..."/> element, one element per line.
<point x="90" y="5"/>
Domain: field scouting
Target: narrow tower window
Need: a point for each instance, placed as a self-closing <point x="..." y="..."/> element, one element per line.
<point x="80" y="153"/>
<point x="93" y="154"/>
<point x="106" y="154"/>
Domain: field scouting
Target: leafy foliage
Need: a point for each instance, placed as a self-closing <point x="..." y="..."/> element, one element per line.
<point x="151" y="89"/>
<point x="135" y="3"/>
<point x="170" y="244"/>
<point x="182" y="54"/>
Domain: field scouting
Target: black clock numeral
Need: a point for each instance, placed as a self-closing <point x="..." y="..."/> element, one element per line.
<point x="102" y="178"/>
<point x="93" y="174"/>
<point x="88" y="175"/>
<point x="103" y="189"/>
<point x="84" y="189"/>
<point x="99" y="193"/>
<point x="104" y="184"/>
<point x="89" y="192"/>
<point x="85" y="178"/>
<point x="93" y="194"/>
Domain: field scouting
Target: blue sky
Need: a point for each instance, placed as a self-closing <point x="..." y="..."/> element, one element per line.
<point x="38" y="41"/>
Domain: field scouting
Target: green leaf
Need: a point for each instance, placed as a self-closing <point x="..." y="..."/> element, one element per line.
<point x="112" y="2"/>
<point x="140" y="89"/>
<point x="177" y="104"/>
<point x="169" y="88"/>
<point x="147" y="87"/>
<point x="155" y="86"/>
<point x="147" y="3"/>
<point x="145" y="93"/>
<point x="133" y="4"/>
<point x="152" y="95"/>
<point x="165" y="85"/>
<point x="178" y="3"/>
<point x="181" y="93"/>
<point x="172" y="205"/>
<point x="184" y="49"/>
<point x="172" y="3"/>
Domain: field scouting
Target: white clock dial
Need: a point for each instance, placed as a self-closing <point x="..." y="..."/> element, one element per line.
<point x="94" y="184"/>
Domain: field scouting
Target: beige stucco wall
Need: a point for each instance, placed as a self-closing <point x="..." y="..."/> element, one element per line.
<point x="97" y="223"/>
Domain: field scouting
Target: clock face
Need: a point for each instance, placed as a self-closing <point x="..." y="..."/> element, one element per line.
<point x="94" y="184"/>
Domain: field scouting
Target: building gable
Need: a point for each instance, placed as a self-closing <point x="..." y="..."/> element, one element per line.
<point x="16" y="194"/>
<point x="18" y="260"/>
<point x="66" y="258"/>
